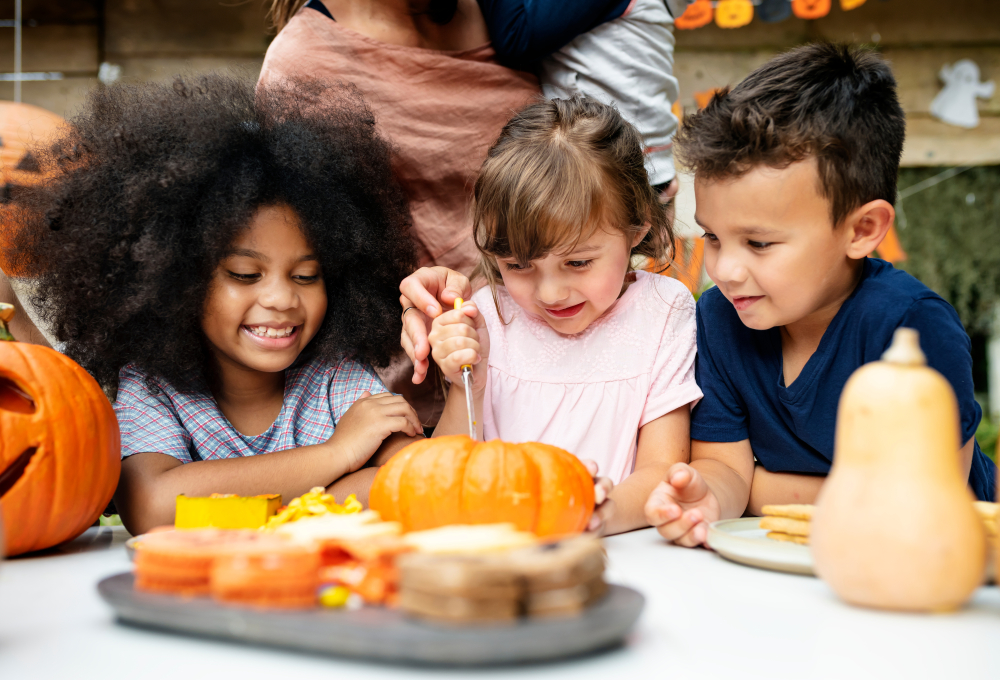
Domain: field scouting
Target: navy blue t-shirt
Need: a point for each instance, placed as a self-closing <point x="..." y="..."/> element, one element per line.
<point x="791" y="429"/>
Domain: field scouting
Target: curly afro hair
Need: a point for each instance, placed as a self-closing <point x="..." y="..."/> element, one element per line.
<point x="152" y="183"/>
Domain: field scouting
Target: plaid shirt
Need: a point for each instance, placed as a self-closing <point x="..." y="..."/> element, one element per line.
<point x="189" y="425"/>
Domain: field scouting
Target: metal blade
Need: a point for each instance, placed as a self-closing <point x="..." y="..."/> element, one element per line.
<point x="469" y="403"/>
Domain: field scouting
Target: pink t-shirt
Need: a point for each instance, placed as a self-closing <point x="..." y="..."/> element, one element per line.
<point x="590" y="393"/>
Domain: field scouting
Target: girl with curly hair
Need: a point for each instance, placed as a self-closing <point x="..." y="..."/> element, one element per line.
<point x="228" y="261"/>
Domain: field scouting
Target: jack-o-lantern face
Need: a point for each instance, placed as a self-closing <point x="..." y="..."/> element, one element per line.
<point x="810" y="9"/>
<point x="850" y="4"/>
<point x="59" y="445"/>
<point x="733" y="13"/>
<point x="698" y="14"/>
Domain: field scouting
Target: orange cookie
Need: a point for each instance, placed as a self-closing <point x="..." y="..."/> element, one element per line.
<point x="269" y="573"/>
<point x="180" y="561"/>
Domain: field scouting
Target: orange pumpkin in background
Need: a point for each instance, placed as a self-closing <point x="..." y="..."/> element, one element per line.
<point x="733" y="13"/>
<point x="21" y="127"/>
<point x="697" y="14"/>
<point x="60" y="452"/>
<point x="811" y="9"/>
<point x="848" y="5"/>
<point x="455" y="480"/>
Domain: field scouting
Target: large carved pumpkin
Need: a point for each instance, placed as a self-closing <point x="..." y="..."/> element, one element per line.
<point x="455" y="480"/>
<point x="21" y="127"/>
<point x="697" y="14"/>
<point x="59" y="445"/>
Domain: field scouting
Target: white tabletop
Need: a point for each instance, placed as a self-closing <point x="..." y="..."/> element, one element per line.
<point x="704" y="618"/>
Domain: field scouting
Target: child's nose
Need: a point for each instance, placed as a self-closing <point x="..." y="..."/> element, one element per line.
<point x="550" y="291"/>
<point x="278" y="295"/>
<point x="729" y="269"/>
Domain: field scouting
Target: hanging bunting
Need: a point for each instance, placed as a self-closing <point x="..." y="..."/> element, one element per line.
<point x="773" y="11"/>
<point x="698" y="14"/>
<point x="733" y="13"/>
<point x="811" y="9"/>
<point x="737" y="13"/>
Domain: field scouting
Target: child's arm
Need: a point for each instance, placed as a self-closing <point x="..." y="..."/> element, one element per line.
<point x="781" y="488"/>
<point x="716" y="485"/>
<point x="151" y="482"/>
<point x="459" y="338"/>
<point x="360" y="482"/>
<point x="662" y="443"/>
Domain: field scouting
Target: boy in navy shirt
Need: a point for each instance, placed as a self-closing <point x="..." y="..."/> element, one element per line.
<point x="795" y="177"/>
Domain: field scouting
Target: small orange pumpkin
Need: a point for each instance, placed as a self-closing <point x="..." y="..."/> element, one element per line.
<point x="811" y="9"/>
<point x="848" y="5"/>
<point x="697" y="14"/>
<point x="455" y="480"/>
<point x="59" y="445"/>
<point x="733" y="13"/>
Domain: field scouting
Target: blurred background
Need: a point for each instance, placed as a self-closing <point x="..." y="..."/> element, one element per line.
<point x="948" y="227"/>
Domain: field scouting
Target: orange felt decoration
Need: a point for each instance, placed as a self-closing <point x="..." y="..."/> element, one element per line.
<point x="21" y="126"/>
<point x="59" y="445"/>
<point x="733" y="13"/>
<point x="890" y="249"/>
<point x="697" y="14"/>
<point x="811" y="9"/>
<point x="455" y="480"/>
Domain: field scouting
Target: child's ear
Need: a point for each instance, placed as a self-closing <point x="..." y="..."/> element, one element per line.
<point x="868" y="225"/>
<point x="641" y="234"/>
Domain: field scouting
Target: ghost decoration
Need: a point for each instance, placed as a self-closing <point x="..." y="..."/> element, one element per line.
<point x="956" y="103"/>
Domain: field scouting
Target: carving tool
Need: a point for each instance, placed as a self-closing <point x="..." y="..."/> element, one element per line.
<point x="470" y="405"/>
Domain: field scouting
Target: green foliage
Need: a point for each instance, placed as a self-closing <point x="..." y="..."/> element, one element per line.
<point x="986" y="435"/>
<point x="951" y="232"/>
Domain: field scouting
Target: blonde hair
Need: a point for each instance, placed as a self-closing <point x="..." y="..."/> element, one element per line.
<point x="282" y="11"/>
<point x="560" y="169"/>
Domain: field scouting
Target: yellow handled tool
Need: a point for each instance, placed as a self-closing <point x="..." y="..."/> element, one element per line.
<point x="470" y="404"/>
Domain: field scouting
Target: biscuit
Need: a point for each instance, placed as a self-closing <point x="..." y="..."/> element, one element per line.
<point x="456" y="608"/>
<point x="562" y="564"/>
<point x="803" y="512"/>
<point x="788" y="538"/>
<point x="482" y="577"/>
<point x="796" y="527"/>
<point x="565" y="601"/>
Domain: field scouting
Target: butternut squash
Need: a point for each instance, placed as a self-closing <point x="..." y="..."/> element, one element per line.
<point x="894" y="526"/>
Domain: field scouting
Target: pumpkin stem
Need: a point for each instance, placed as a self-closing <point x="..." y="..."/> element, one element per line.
<point x="905" y="349"/>
<point x="6" y="314"/>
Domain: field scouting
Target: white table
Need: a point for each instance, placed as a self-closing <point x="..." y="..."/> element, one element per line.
<point x="704" y="618"/>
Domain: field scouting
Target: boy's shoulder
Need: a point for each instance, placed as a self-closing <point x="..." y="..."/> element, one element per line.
<point x="886" y="297"/>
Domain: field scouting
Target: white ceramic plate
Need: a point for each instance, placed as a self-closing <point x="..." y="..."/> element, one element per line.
<point x="742" y="540"/>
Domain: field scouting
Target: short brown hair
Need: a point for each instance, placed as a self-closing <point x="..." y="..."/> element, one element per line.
<point x="832" y="102"/>
<point x="560" y="168"/>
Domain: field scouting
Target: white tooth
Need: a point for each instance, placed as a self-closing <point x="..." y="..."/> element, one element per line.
<point x="272" y="333"/>
<point x="288" y="331"/>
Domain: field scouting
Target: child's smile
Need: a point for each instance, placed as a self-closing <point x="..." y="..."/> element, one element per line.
<point x="268" y="299"/>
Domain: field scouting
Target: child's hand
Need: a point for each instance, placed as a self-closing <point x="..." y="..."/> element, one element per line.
<point x="604" y="506"/>
<point x="682" y="507"/>
<point x="368" y="422"/>
<point x="459" y="338"/>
